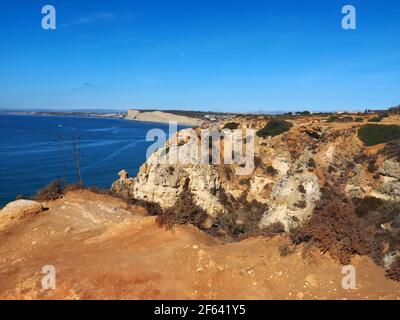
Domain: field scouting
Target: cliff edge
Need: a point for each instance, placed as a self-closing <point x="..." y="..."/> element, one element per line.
<point x="163" y="117"/>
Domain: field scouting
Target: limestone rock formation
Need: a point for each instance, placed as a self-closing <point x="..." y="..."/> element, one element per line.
<point x="161" y="116"/>
<point x="291" y="171"/>
<point x="18" y="210"/>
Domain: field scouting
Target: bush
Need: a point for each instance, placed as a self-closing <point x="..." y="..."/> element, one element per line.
<point x="231" y="126"/>
<point x="373" y="134"/>
<point x="335" y="228"/>
<point x="284" y="250"/>
<point x="273" y="229"/>
<point x="98" y="190"/>
<point x="274" y="128"/>
<point x="301" y="204"/>
<point x="375" y="119"/>
<point x="311" y="163"/>
<point x="249" y="213"/>
<point x="359" y="119"/>
<point x="339" y="119"/>
<point x="152" y="208"/>
<point x="72" y="187"/>
<point x="372" y="166"/>
<point x="394" y="271"/>
<point x="303" y="113"/>
<point x="271" y="171"/>
<point x="301" y="189"/>
<point x="367" y="204"/>
<point x="378" y="118"/>
<point x="244" y="182"/>
<point x="54" y="190"/>
<point x="226" y="222"/>
<point x="185" y="211"/>
<point x="392" y="149"/>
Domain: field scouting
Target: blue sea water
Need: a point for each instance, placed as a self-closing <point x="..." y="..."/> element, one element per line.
<point x="35" y="150"/>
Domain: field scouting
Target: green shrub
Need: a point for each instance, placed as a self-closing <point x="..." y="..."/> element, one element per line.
<point x="375" y="119"/>
<point x="331" y="119"/>
<point x="379" y="118"/>
<point x="359" y="119"/>
<point x="339" y="119"/>
<point x="373" y="134"/>
<point x="274" y="128"/>
<point x="231" y="126"/>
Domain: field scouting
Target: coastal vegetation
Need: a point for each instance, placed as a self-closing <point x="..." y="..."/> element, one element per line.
<point x="373" y="134"/>
<point x="274" y="128"/>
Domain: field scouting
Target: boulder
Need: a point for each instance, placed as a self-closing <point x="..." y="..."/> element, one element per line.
<point x="391" y="168"/>
<point x="20" y="209"/>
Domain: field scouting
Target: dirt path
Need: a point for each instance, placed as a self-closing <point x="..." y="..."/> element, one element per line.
<point x="103" y="249"/>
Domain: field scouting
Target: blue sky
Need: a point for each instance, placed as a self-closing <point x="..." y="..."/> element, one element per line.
<point x="216" y="55"/>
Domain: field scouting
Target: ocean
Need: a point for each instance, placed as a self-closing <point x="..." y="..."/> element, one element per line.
<point x="35" y="150"/>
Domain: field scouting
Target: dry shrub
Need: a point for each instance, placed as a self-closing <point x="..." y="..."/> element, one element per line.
<point x="301" y="189"/>
<point x="270" y="170"/>
<point x="284" y="250"/>
<point x="98" y="190"/>
<point x="392" y="149"/>
<point x="185" y="211"/>
<point x="273" y="230"/>
<point x="241" y="219"/>
<point x="335" y="227"/>
<point x="226" y="226"/>
<point x="311" y="163"/>
<point x="367" y="204"/>
<point x="152" y="208"/>
<point x="72" y="187"/>
<point x="54" y="190"/>
<point x="393" y="273"/>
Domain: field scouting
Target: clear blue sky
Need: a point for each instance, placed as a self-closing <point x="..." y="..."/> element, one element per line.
<point x="199" y="54"/>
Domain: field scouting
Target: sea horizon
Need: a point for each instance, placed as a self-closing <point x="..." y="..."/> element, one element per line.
<point x="32" y="150"/>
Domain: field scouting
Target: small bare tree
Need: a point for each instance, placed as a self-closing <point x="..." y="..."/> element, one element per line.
<point x="60" y="144"/>
<point x="76" y="159"/>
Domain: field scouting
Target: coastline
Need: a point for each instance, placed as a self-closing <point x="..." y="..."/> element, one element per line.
<point x="162" y="117"/>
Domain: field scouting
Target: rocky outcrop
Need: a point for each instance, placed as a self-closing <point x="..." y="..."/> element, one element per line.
<point x="390" y="172"/>
<point x="18" y="210"/>
<point x="290" y="172"/>
<point x="391" y="168"/>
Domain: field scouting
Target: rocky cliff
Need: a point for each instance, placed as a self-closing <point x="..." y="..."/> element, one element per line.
<point x="163" y="117"/>
<point x="292" y="172"/>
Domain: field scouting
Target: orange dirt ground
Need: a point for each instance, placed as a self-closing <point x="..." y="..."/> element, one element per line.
<point x="104" y="249"/>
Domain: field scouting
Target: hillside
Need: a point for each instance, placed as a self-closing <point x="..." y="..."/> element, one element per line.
<point x="103" y="248"/>
<point x="332" y="181"/>
<point x="324" y="193"/>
